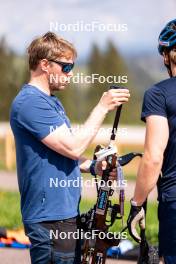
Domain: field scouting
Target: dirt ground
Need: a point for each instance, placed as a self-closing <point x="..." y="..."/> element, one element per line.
<point x="8" y="181"/>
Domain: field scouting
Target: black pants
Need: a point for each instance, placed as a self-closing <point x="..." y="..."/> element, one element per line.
<point x="52" y="242"/>
<point x="167" y="231"/>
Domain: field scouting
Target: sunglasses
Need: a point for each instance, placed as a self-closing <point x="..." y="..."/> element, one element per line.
<point x="66" y="67"/>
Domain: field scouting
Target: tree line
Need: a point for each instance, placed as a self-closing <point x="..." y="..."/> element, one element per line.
<point x="106" y="67"/>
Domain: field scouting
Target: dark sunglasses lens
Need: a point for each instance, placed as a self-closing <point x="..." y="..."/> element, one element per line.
<point x="67" y="68"/>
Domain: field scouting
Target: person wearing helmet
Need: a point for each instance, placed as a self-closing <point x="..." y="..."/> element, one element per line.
<point x="159" y="113"/>
<point x="167" y="45"/>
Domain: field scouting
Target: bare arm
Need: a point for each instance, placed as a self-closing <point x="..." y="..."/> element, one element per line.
<point x="157" y="133"/>
<point x="74" y="145"/>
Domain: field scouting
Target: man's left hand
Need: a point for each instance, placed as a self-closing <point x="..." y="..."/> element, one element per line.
<point x="100" y="166"/>
<point x="136" y="216"/>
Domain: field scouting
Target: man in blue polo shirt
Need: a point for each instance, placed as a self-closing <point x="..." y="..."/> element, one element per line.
<point x="49" y="154"/>
<point x="159" y="113"/>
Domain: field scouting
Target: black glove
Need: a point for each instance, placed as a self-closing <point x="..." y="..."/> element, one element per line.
<point x="136" y="216"/>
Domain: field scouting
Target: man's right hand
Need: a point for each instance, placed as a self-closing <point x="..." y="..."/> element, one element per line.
<point x="113" y="98"/>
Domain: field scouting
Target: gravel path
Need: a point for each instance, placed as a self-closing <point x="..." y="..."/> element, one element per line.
<point x="21" y="256"/>
<point x="8" y="181"/>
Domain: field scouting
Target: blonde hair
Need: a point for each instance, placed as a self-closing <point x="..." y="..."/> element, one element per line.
<point x="50" y="47"/>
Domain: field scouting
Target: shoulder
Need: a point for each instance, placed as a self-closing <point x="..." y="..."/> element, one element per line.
<point x="167" y="87"/>
<point x="154" y="93"/>
<point x="29" y="98"/>
<point x="154" y="89"/>
<point x="162" y="89"/>
<point x="166" y="83"/>
<point x="29" y="104"/>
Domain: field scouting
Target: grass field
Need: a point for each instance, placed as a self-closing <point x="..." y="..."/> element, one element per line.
<point x="10" y="216"/>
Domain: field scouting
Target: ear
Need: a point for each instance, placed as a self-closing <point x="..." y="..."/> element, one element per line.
<point x="166" y="58"/>
<point x="44" y="64"/>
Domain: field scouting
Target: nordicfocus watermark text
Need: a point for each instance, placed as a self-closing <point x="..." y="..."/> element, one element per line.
<point x="81" y="26"/>
<point x="103" y="131"/>
<point x="88" y="79"/>
<point x="93" y="234"/>
<point x="88" y="183"/>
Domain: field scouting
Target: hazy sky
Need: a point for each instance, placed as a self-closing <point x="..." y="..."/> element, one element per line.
<point x="20" y="21"/>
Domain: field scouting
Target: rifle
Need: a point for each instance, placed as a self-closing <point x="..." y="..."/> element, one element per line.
<point x="96" y="218"/>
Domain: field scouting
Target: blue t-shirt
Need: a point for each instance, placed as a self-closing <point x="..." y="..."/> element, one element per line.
<point x="49" y="182"/>
<point x="161" y="100"/>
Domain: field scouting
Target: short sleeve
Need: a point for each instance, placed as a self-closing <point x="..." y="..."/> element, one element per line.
<point x="154" y="103"/>
<point x="39" y="117"/>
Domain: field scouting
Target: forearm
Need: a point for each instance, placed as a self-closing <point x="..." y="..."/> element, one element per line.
<point x="84" y="137"/>
<point x="147" y="177"/>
